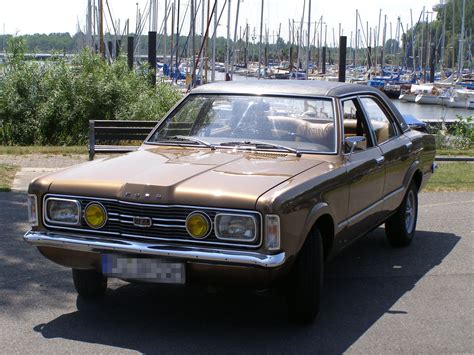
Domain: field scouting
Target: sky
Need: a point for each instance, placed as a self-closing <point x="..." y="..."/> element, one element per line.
<point x="47" y="16"/>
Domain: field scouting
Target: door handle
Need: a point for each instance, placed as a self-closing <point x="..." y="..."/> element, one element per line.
<point x="409" y="145"/>
<point x="380" y="160"/>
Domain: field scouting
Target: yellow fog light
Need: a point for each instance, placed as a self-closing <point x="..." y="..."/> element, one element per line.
<point x="198" y="225"/>
<point x="95" y="215"/>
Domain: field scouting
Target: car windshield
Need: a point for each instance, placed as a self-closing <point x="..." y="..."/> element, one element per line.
<point x="288" y="123"/>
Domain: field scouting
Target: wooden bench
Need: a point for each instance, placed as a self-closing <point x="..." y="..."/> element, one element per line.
<point x="105" y="136"/>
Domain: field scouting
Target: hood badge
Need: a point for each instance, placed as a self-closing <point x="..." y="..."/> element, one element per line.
<point x="146" y="195"/>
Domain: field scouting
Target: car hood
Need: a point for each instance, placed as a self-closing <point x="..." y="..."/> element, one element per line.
<point x="220" y="178"/>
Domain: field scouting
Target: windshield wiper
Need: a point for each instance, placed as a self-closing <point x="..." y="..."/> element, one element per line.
<point x="187" y="139"/>
<point x="259" y="144"/>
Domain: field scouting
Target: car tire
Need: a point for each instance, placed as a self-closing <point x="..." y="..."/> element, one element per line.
<point x="401" y="227"/>
<point x="303" y="293"/>
<point x="89" y="284"/>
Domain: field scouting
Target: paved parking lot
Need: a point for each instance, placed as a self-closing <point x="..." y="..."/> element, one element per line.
<point x="376" y="300"/>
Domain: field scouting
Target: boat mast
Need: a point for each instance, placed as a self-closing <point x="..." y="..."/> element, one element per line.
<point x="413" y="30"/>
<point x="213" y="71"/>
<point x="454" y="38"/>
<point x="356" y="40"/>
<point x="384" y="34"/>
<point x="308" y="57"/>
<point x="227" y="53"/>
<point x="461" y="42"/>
<point x="235" y="41"/>
<point x="260" y="43"/>
<point x="443" y="35"/>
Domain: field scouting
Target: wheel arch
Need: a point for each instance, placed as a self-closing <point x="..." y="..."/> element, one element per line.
<point x="322" y="218"/>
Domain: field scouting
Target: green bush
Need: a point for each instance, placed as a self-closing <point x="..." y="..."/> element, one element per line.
<point x="51" y="103"/>
<point x="458" y="135"/>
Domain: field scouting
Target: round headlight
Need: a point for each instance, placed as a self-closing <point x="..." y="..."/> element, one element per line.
<point x="95" y="215"/>
<point x="198" y="225"/>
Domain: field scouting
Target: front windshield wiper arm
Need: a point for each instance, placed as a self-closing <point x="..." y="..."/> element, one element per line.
<point x="188" y="139"/>
<point x="260" y="144"/>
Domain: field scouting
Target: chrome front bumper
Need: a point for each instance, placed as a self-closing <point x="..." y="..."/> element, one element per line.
<point x="189" y="253"/>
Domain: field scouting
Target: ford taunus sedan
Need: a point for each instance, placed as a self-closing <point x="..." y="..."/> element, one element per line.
<point x="244" y="183"/>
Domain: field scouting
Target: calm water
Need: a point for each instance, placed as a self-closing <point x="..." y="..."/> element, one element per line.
<point x="421" y="112"/>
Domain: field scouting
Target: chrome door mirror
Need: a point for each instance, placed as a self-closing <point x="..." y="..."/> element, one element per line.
<point x="354" y="142"/>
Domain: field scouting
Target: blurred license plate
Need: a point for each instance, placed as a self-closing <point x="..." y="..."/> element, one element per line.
<point x="146" y="269"/>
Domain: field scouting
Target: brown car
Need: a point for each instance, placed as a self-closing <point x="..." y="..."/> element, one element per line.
<point x="251" y="183"/>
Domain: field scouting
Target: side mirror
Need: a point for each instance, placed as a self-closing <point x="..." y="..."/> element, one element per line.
<point x="353" y="143"/>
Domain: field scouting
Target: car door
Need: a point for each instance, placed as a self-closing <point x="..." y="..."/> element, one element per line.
<point x="365" y="173"/>
<point x="396" y="149"/>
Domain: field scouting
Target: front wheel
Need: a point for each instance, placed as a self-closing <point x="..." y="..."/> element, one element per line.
<point x="89" y="284"/>
<point x="400" y="228"/>
<point x="306" y="281"/>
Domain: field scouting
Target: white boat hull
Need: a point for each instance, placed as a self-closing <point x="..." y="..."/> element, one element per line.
<point x="424" y="99"/>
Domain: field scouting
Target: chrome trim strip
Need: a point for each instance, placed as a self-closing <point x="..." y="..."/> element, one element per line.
<point x="55" y="198"/>
<point x="188" y="253"/>
<point x="157" y="205"/>
<point x="351" y="219"/>
<point x="237" y="215"/>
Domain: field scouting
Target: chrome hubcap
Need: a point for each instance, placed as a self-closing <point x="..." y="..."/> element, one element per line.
<point x="410" y="211"/>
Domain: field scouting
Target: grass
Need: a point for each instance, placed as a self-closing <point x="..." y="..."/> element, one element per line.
<point x="7" y="173"/>
<point x="61" y="150"/>
<point x="464" y="152"/>
<point x="452" y="176"/>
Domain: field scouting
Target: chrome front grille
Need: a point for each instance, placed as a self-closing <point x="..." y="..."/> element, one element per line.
<point x="168" y="222"/>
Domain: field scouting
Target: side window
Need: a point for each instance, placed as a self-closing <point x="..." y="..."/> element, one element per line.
<point x="354" y="123"/>
<point x="382" y="125"/>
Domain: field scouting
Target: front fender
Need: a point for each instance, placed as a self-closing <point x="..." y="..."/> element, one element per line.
<point x="318" y="210"/>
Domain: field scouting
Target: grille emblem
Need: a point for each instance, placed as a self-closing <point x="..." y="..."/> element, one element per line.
<point x="144" y="222"/>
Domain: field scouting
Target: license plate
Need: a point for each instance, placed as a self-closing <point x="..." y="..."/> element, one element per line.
<point x="145" y="269"/>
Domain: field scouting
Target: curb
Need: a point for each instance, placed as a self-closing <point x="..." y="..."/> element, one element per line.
<point x="453" y="158"/>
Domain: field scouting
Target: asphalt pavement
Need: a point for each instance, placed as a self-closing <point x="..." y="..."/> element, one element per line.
<point x="376" y="300"/>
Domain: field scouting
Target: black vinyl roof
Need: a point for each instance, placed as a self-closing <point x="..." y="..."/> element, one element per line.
<point x="307" y="88"/>
<point x="283" y="87"/>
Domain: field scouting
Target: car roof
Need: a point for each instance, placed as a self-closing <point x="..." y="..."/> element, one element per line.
<point x="307" y="88"/>
<point x="284" y="87"/>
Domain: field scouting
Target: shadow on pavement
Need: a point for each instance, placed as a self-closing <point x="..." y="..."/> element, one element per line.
<point x="362" y="284"/>
<point x="23" y="271"/>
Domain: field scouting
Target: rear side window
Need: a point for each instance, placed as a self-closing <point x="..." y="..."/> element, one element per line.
<point x="354" y="123"/>
<point x="382" y="125"/>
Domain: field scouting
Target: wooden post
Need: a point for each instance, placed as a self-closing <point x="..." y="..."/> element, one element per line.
<point x="342" y="58"/>
<point x="152" y="56"/>
<point x="91" y="139"/>
<point x="130" y="52"/>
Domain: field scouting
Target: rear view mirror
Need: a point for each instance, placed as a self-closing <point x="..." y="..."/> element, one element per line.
<point x="354" y="142"/>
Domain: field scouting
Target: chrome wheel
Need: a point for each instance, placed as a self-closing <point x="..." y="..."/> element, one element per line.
<point x="410" y="211"/>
